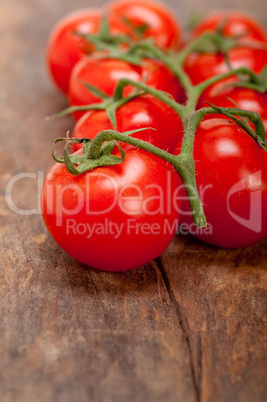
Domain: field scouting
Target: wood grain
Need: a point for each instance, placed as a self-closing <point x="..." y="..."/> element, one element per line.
<point x="187" y="327"/>
<point x="220" y="297"/>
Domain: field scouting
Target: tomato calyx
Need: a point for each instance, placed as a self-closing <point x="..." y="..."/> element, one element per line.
<point x="138" y="30"/>
<point x="112" y="49"/>
<point x="91" y="157"/>
<point x="117" y="46"/>
<point x="104" y="35"/>
<point x="216" y="43"/>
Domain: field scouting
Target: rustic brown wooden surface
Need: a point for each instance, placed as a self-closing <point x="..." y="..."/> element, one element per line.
<point x="187" y="327"/>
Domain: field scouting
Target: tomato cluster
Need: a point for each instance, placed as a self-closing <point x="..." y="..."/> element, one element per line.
<point x="122" y="216"/>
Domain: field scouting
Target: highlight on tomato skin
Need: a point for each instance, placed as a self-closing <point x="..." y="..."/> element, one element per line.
<point x="141" y="112"/>
<point x="231" y="176"/>
<point x="113" y="218"/>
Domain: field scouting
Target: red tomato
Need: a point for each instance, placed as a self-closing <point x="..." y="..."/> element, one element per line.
<point x="112" y="218"/>
<point x="232" y="23"/>
<point x="231" y="175"/>
<point x="201" y="66"/>
<point x="65" y="49"/>
<point x="141" y="112"/>
<point x="221" y="94"/>
<point x="162" y="25"/>
<point x="105" y="74"/>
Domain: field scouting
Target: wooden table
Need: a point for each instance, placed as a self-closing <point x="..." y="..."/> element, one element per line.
<point x="187" y="327"/>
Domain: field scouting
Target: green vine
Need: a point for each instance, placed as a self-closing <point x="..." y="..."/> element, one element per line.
<point x="98" y="152"/>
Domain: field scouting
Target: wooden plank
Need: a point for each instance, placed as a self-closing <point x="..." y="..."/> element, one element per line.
<point x="71" y="332"/>
<point x="220" y="296"/>
<point x="188" y="329"/>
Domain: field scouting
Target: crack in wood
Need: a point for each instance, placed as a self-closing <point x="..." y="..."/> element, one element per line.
<point x="175" y="304"/>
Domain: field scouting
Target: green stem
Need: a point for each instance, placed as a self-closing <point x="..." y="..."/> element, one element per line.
<point x="258" y="135"/>
<point x="168" y="61"/>
<point x="210" y="81"/>
<point x="182" y="163"/>
<point x="190" y="124"/>
<point x="191" y="46"/>
<point x="123" y="82"/>
<point x="120" y="102"/>
<point x="104" y="105"/>
<point x="192" y="98"/>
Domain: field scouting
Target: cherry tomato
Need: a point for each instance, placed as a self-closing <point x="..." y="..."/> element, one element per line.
<point x="161" y="23"/>
<point x="231" y="175"/>
<point x="141" y="112"/>
<point x="225" y="95"/>
<point x="232" y="23"/>
<point x="105" y="74"/>
<point x="201" y="66"/>
<point x="112" y="218"/>
<point x="65" y="48"/>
